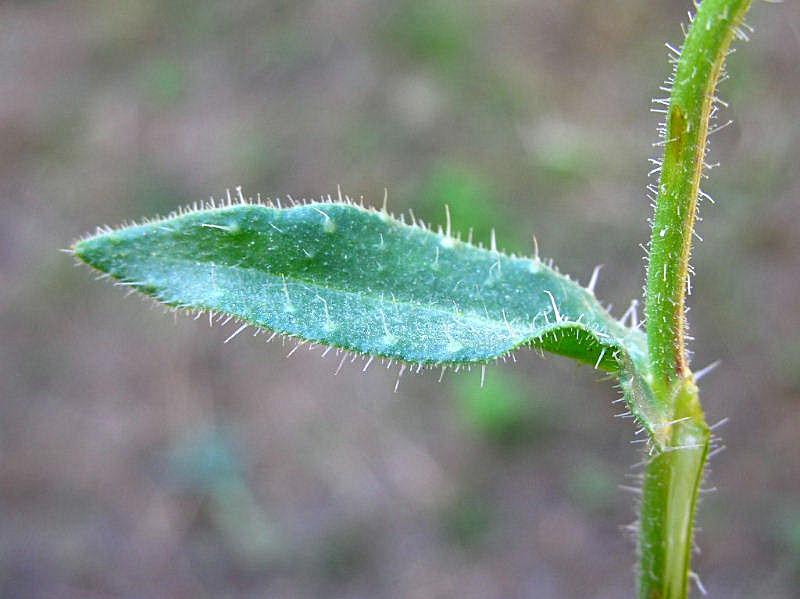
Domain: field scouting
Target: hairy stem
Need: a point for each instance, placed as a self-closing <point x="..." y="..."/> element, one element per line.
<point x="669" y="502"/>
<point x="673" y="477"/>
<point x="690" y="107"/>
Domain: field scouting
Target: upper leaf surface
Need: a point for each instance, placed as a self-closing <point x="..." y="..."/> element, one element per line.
<point x="358" y="279"/>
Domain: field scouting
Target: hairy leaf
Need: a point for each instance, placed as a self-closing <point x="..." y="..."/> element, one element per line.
<point x="354" y="278"/>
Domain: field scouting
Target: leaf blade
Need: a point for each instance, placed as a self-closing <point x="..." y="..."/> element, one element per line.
<point x="261" y="264"/>
<point x="357" y="279"/>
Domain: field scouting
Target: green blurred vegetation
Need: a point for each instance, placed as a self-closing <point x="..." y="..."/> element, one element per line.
<point x="501" y="411"/>
<point x="438" y="32"/>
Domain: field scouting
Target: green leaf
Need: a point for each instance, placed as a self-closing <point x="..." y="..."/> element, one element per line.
<point x="358" y="279"/>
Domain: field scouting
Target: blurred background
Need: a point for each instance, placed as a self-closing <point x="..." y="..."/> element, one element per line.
<point x="141" y="457"/>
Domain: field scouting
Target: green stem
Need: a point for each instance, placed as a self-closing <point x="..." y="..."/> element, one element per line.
<point x="673" y="476"/>
<point x="669" y="502"/>
<point x="690" y="105"/>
